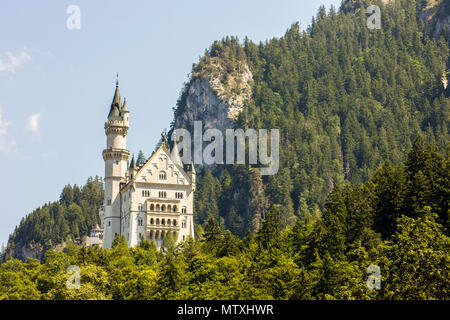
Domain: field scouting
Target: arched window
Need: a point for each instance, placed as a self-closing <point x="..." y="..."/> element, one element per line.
<point x="163" y="222"/>
<point x="175" y="209"/>
<point x="168" y="222"/>
<point x="152" y="207"/>
<point x="162" y="235"/>
<point x="157" y="221"/>
<point x="156" y="235"/>
<point x="158" y="208"/>
<point x="169" y="208"/>
<point x="162" y="175"/>
<point x="151" y="235"/>
<point x="174" y="223"/>
<point x="152" y="221"/>
<point x="183" y="210"/>
<point x="163" y="208"/>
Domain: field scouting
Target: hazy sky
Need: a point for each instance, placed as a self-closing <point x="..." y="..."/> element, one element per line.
<point x="56" y="84"/>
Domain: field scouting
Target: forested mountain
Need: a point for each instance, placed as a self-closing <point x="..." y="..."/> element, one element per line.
<point x="67" y="220"/>
<point x="345" y="98"/>
<point x="394" y="221"/>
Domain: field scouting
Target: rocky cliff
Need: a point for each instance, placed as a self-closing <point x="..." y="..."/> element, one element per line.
<point x="436" y="16"/>
<point x="216" y="94"/>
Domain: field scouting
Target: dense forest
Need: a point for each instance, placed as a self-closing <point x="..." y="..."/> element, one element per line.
<point x="345" y="99"/>
<point x="67" y="220"/>
<point x="398" y="220"/>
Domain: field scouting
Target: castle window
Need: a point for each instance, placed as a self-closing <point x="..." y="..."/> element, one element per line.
<point x="140" y="236"/>
<point x="162" y="194"/>
<point x="157" y="221"/>
<point x="140" y="222"/>
<point x="108" y="202"/>
<point x="179" y="195"/>
<point x="175" y="209"/>
<point x="183" y="210"/>
<point x="163" y="208"/>
<point x="162" y="175"/>
<point x="168" y="222"/>
<point x="140" y="207"/>
<point x="152" y="207"/>
<point x="145" y="193"/>
<point x="109" y="223"/>
<point x="163" y="222"/>
<point x="183" y="224"/>
<point x="174" y="223"/>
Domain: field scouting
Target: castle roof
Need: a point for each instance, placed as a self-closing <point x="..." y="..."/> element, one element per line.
<point x="124" y="106"/>
<point x="133" y="163"/>
<point x="162" y="147"/>
<point x="116" y="104"/>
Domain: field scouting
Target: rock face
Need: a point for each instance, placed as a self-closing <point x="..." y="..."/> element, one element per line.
<point x="215" y="96"/>
<point x="436" y="16"/>
<point x="25" y="252"/>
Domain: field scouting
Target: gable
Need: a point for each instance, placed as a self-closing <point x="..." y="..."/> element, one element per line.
<point x="160" y="164"/>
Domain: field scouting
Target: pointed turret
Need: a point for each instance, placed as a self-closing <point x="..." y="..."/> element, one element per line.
<point x="116" y="104"/>
<point x="133" y="163"/>
<point x="132" y="169"/>
<point x="124" y="106"/>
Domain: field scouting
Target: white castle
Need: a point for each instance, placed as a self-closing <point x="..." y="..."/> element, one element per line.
<point x="150" y="200"/>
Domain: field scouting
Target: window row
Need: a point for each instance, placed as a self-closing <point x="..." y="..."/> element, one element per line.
<point x="163" y="222"/>
<point x="163" y="208"/>
<point x="161" y="194"/>
<point x="159" y="235"/>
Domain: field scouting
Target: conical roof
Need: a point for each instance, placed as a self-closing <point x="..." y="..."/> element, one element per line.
<point x="124" y="106"/>
<point x="133" y="163"/>
<point x="116" y="103"/>
<point x="114" y="112"/>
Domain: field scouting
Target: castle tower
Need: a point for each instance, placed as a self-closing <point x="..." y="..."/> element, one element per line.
<point x="115" y="156"/>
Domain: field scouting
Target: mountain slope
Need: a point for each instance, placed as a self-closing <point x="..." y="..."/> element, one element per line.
<point x="67" y="220"/>
<point x="345" y="98"/>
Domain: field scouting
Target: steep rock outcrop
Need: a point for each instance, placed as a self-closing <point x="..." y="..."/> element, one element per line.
<point x="215" y="95"/>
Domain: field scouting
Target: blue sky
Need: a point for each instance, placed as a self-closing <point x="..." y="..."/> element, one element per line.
<point x="56" y="84"/>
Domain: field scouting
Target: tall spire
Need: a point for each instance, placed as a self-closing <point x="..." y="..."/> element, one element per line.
<point x="116" y="104"/>
<point x="133" y="164"/>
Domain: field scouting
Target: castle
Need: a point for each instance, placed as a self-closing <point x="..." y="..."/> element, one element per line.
<point x="150" y="200"/>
